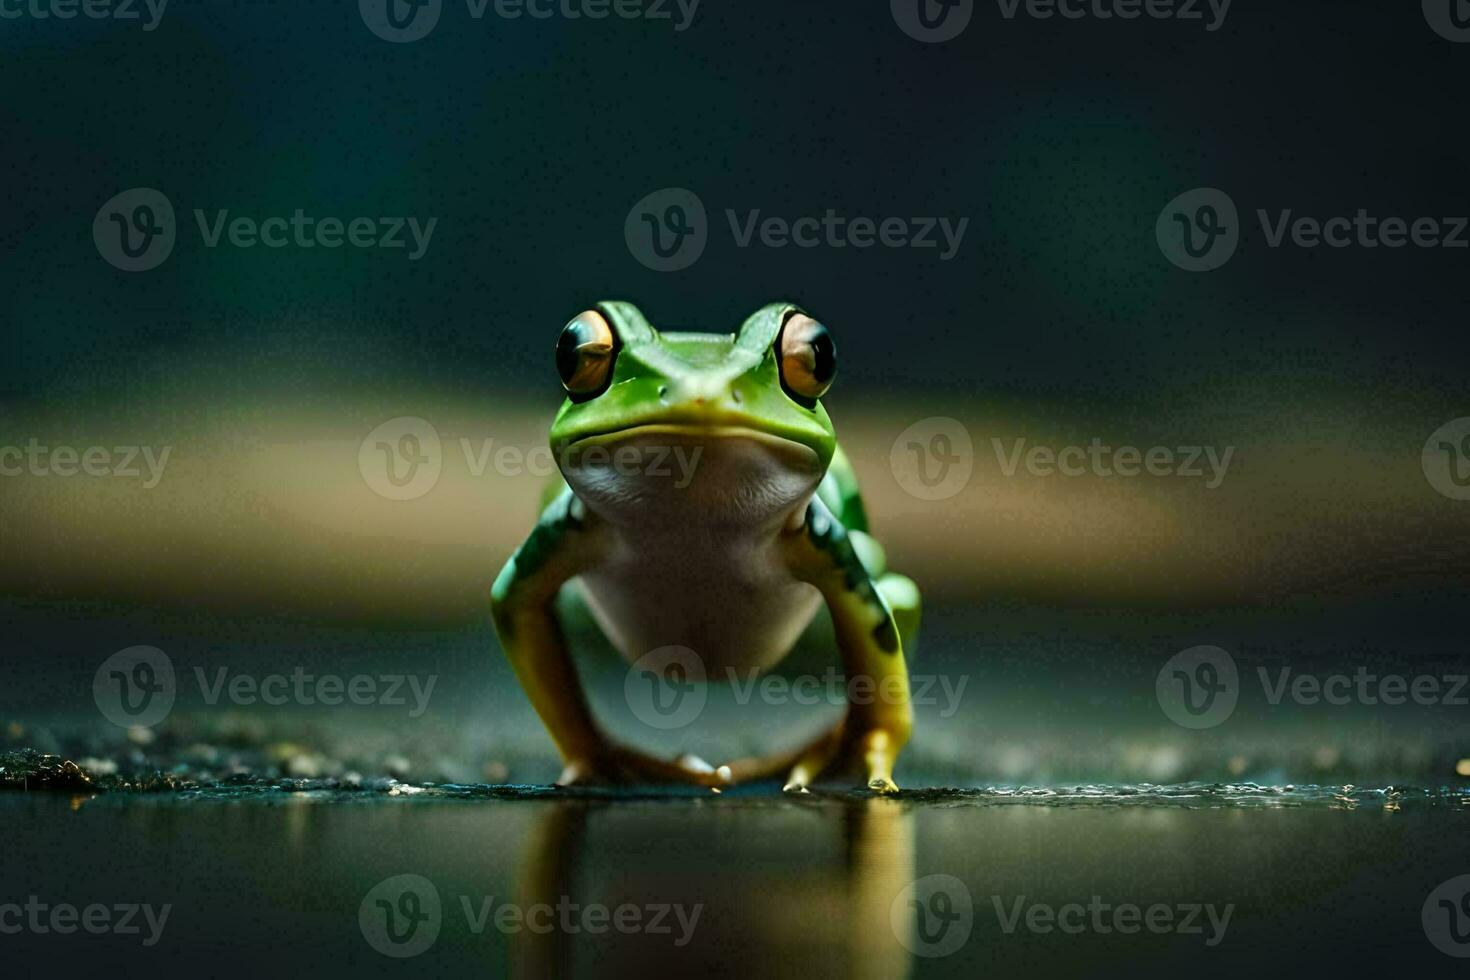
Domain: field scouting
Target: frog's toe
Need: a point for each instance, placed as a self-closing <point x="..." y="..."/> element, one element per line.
<point x="578" y="772"/>
<point x="812" y="760"/>
<point x="880" y="751"/>
<point x="693" y="763"/>
<point x="616" y="765"/>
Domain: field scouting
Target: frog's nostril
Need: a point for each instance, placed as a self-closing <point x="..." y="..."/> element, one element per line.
<point x="663" y="392"/>
<point x="735" y="397"/>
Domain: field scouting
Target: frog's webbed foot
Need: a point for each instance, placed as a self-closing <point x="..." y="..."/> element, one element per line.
<point x="843" y="750"/>
<point x="847" y="749"/>
<point x="616" y="765"/>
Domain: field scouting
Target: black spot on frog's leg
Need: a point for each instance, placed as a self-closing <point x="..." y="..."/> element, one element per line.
<point x="829" y="537"/>
<point x="886" y="635"/>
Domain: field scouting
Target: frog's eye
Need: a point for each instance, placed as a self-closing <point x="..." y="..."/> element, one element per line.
<point x="584" y="355"/>
<point x="808" y="358"/>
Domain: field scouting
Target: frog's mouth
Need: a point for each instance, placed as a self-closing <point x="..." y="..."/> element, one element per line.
<point x="759" y="449"/>
<point x="712" y="431"/>
<point x="684" y="431"/>
<point x="684" y="471"/>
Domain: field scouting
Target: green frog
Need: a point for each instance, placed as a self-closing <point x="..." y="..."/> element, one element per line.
<point x="729" y="554"/>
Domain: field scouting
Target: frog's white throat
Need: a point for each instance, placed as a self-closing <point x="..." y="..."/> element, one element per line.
<point x="684" y="479"/>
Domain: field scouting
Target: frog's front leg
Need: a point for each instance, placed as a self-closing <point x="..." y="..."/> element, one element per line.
<point x="564" y="543"/>
<point x="879" y="716"/>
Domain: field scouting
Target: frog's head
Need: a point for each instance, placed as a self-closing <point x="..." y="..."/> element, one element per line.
<point x="737" y="417"/>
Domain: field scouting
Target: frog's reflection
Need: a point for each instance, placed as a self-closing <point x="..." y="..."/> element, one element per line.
<point x="735" y="888"/>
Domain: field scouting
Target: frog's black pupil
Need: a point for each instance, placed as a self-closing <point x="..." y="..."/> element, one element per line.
<point x="572" y="337"/>
<point x="824" y="353"/>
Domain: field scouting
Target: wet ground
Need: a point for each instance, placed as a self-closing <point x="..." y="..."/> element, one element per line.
<point x="302" y="877"/>
<point x="1054" y="822"/>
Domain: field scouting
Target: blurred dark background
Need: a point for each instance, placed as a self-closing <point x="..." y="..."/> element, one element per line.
<point x="1058" y="320"/>
<point x="530" y="140"/>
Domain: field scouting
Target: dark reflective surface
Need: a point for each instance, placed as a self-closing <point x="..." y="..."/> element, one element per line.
<point x="809" y="890"/>
<point x="748" y="884"/>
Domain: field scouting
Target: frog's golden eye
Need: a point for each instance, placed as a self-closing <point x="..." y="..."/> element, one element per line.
<point x="584" y="355"/>
<point x="808" y="358"/>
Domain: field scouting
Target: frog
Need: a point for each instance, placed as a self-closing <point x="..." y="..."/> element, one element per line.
<point x="731" y="556"/>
